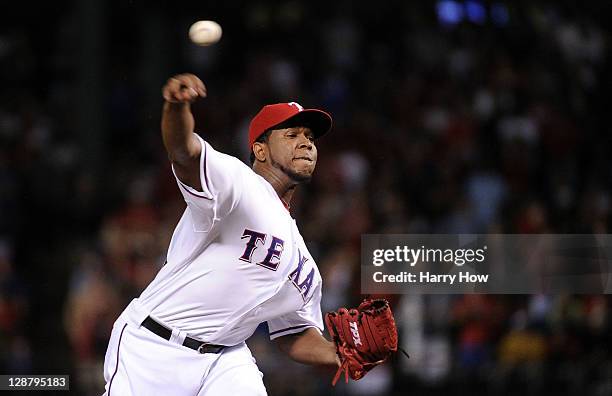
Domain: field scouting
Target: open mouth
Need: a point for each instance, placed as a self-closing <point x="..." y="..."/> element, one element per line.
<point x="303" y="158"/>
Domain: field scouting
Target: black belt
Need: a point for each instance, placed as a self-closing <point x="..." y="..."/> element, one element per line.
<point x="165" y="333"/>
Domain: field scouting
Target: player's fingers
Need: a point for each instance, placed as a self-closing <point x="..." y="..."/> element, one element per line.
<point x="170" y="96"/>
<point x="177" y="96"/>
<point x="193" y="82"/>
<point x="180" y="96"/>
<point x="183" y="88"/>
<point x="174" y="83"/>
<point x="179" y="83"/>
<point x="190" y="90"/>
<point x="170" y="90"/>
<point x="202" y="91"/>
<point x="201" y="88"/>
<point x="173" y="92"/>
<point x="186" y="95"/>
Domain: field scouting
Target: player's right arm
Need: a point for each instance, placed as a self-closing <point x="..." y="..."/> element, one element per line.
<point x="210" y="181"/>
<point x="177" y="127"/>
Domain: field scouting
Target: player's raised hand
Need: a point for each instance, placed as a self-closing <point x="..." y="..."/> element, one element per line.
<point x="183" y="88"/>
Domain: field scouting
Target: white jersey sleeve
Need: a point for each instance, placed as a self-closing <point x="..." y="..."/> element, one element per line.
<point x="221" y="177"/>
<point x="296" y="322"/>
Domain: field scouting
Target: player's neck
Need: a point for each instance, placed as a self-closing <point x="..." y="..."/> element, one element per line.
<point x="282" y="184"/>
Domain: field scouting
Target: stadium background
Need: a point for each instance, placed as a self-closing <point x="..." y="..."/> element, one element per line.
<point x="450" y="117"/>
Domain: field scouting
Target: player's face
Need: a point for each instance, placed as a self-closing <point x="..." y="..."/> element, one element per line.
<point x="293" y="151"/>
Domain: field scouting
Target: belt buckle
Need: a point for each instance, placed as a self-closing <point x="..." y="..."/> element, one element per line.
<point x="201" y="348"/>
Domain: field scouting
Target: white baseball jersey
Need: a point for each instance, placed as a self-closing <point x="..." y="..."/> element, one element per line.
<point x="236" y="259"/>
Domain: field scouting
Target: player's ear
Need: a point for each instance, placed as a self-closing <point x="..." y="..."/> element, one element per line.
<point x="259" y="151"/>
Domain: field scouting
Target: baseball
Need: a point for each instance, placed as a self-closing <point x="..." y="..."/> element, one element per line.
<point x="205" y="32"/>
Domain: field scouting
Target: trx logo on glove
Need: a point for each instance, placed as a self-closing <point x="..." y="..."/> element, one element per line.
<point x="355" y="332"/>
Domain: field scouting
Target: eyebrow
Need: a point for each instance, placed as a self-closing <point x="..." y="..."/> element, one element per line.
<point x="301" y="128"/>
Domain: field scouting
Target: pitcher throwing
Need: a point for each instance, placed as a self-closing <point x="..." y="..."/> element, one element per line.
<point x="236" y="260"/>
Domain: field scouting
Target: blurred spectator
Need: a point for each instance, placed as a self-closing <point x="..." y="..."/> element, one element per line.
<point x="15" y="350"/>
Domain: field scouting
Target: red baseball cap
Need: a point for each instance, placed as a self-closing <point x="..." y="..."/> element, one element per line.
<point x="273" y="115"/>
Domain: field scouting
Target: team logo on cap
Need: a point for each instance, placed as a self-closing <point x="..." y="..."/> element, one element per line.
<point x="296" y="104"/>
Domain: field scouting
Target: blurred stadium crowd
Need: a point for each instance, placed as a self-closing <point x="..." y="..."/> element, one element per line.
<point x="450" y="117"/>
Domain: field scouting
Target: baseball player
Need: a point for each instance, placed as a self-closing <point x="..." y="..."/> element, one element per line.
<point x="236" y="259"/>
